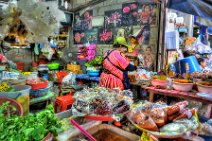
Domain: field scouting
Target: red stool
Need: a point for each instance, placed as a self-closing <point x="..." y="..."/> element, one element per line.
<point x="60" y="76"/>
<point x="64" y="102"/>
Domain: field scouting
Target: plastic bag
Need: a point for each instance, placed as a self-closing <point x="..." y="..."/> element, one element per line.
<point x="143" y="74"/>
<point x="47" y="51"/>
<point x="9" y="75"/>
<point x="70" y="79"/>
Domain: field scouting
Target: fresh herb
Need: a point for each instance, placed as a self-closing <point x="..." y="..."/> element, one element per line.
<point x="6" y="110"/>
<point x="33" y="127"/>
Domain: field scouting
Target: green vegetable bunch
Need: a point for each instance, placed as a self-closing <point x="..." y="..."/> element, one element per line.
<point x="97" y="61"/>
<point x="33" y="127"/>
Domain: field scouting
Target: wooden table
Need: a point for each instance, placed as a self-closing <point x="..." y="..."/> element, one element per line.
<point x="178" y="94"/>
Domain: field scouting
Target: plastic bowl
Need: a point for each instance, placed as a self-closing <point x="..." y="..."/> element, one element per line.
<point x="184" y="87"/>
<point x="204" y="88"/>
<point x="40" y="92"/>
<point x="93" y="74"/>
<point x="20" y="90"/>
<point x="14" y="103"/>
<point x="162" y="83"/>
<point x="93" y="71"/>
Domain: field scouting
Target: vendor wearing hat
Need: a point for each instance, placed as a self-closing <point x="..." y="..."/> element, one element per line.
<point x="133" y="49"/>
<point x="115" y="66"/>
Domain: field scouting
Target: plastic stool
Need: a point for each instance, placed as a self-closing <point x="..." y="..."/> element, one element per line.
<point x="60" y="76"/>
<point x="63" y="102"/>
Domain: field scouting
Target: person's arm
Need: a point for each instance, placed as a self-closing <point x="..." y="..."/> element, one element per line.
<point x="131" y="67"/>
<point x="122" y="61"/>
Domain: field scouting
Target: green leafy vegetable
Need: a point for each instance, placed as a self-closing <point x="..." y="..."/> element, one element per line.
<point x="97" y="61"/>
<point x="33" y="127"/>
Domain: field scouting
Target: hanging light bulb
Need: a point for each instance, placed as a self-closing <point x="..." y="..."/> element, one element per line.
<point x="66" y="5"/>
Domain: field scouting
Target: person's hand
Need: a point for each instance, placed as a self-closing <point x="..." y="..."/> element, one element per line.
<point x="135" y="68"/>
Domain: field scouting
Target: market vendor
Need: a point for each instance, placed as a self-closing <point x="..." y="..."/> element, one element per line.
<point x="133" y="50"/>
<point x="115" y="66"/>
<point x="3" y="59"/>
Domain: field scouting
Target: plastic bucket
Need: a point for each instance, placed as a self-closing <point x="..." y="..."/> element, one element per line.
<point x="20" y="65"/>
<point x="192" y="62"/>
<point x="21" y="95"/>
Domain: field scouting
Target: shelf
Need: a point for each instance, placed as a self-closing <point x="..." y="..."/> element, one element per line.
<point x="16" y="47"/>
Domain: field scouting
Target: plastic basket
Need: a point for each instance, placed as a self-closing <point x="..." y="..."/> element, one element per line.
<point x="40" y="85"/>
<point x="53" y="66"/>
<point x="14" y="103"/>
<point x="40" y="92"/>
<point x="72" y="67"/>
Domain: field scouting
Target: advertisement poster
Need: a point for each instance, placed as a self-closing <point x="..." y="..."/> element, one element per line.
<point x="113" y="18"/>
<point x="129" y="14"/>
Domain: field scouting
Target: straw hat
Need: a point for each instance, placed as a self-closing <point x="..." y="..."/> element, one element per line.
<point x="121" y="41"/>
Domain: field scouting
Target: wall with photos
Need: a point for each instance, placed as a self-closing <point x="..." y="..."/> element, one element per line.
<point x="102" y="23"/>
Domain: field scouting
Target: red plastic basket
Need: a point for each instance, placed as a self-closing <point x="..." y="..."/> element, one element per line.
<point x="14" y="103"/>
<point x="37" y="86"/>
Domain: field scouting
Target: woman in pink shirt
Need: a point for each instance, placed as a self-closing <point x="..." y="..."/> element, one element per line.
<point x="115" y="66"/>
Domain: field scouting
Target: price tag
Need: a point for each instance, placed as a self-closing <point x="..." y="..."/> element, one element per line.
<point x="4" y="87"/>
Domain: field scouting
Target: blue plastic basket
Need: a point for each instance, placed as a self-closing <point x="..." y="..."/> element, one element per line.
<point x="39" y="92"/>
<point x="192" y="62"/>
<point x="93" y="73"/>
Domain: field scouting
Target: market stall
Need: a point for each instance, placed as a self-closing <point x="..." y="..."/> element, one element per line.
<point x="89" y="72"/>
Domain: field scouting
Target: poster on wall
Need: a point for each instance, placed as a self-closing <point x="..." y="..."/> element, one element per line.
<point x="143" y="35"/>
<point x="78" y="36"/>
<point x="91" y="36"/>
<point x="147" y="14"/>
<point x="77" y="21"/>
<point x="98" y="21"/>
<point x="124" y="31"/>
<point x="86" y="20"/>
<point x="105" y="36"/>
<point x="146" y="34"/>
<point x="129" y="14"/>
<point x="113" y="18"/>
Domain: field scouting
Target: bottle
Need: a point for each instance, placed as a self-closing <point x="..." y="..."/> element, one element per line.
<point x="187" y="75"/>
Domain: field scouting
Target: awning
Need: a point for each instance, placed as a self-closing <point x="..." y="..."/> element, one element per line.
<point x="201" y="8"/>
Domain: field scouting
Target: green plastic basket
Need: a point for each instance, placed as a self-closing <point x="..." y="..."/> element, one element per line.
<point x="53" y="66"/>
